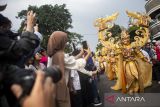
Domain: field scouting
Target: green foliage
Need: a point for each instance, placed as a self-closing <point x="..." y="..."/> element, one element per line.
<point x="73" y="38"/>
<point x="115" y="30"/>
<point x="51" y="18"/>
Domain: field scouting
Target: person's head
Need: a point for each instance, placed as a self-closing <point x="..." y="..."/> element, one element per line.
<point x="147" y="45"/>
<point x="43" y="52"/>
<point x="5" y="23"/>
<point x="125" y="38"/>
<point x="57" y="42"/>
<point x="93" y="54"/>
<point x="37" y="56"/>
<point x="30" y="60"/>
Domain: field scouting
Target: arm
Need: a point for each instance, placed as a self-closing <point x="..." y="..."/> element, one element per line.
<point x="80" y="54"/>
<point x="36" y="31"/>
<point x="89" y="73"/>
<point x="80" y="67"/>
<point x="88" y="54"/>
<point x="30" y="21"/>
<point x="17" y="48"/>
<point x="28" y="40"/>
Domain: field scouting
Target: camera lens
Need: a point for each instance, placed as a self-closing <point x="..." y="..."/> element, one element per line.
<point x="53" y="72"/>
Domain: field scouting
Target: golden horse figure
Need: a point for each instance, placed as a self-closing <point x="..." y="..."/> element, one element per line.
<point x="134" y="72"/>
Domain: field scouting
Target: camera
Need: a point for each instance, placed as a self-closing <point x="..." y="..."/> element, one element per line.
<point x="25" y="78"/>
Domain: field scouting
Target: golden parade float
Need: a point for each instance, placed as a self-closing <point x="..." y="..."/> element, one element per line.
<point x="122" y="54"/>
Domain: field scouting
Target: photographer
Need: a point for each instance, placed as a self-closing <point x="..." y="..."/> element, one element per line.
<point x="11" y="49"/>
<point x="13" y="79"/>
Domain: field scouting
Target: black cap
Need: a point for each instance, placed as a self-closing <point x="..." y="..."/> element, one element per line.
<point x="2" y="7"/>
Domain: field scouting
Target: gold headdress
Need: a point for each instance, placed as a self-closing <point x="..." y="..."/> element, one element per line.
<point x="105" y="24"/>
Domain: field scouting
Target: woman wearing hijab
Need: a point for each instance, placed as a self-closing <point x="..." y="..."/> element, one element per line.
<point x="55" y="50"/>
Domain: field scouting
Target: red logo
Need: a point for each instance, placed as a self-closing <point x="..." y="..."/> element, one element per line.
<point x="110" y="99"/>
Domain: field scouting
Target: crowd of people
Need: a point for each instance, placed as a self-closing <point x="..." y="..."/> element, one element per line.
<point x="153" y="56"/>
<point x="78" y="84"/>
<point x="79" y="70"/>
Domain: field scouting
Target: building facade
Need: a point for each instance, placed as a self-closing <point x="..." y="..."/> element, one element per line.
<point x="153" y="10"/>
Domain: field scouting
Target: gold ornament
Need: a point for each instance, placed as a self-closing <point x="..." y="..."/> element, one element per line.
<point x="139" y="19"/>
<point x="127" y="53"/>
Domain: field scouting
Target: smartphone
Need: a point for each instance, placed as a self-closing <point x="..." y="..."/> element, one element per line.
<point x="84" y="44"/>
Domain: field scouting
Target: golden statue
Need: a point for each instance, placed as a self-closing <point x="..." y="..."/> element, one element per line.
<point x="132" y="69"/>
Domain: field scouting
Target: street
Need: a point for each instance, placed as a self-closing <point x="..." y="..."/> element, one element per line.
<point x="104" y="87"/>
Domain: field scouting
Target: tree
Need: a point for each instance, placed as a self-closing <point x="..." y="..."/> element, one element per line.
<point x="51" y="18"/>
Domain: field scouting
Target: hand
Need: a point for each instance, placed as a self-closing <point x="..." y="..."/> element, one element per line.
<point x="36" y="28"/>
<point x="82" y="51"/>
<point x="94" y="73"/>
<point x="88" y="50"/>
<point x="30" y="21"/>
<point x="42" y="95"/>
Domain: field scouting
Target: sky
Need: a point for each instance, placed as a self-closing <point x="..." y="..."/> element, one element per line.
<point x="84" y="13"/>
